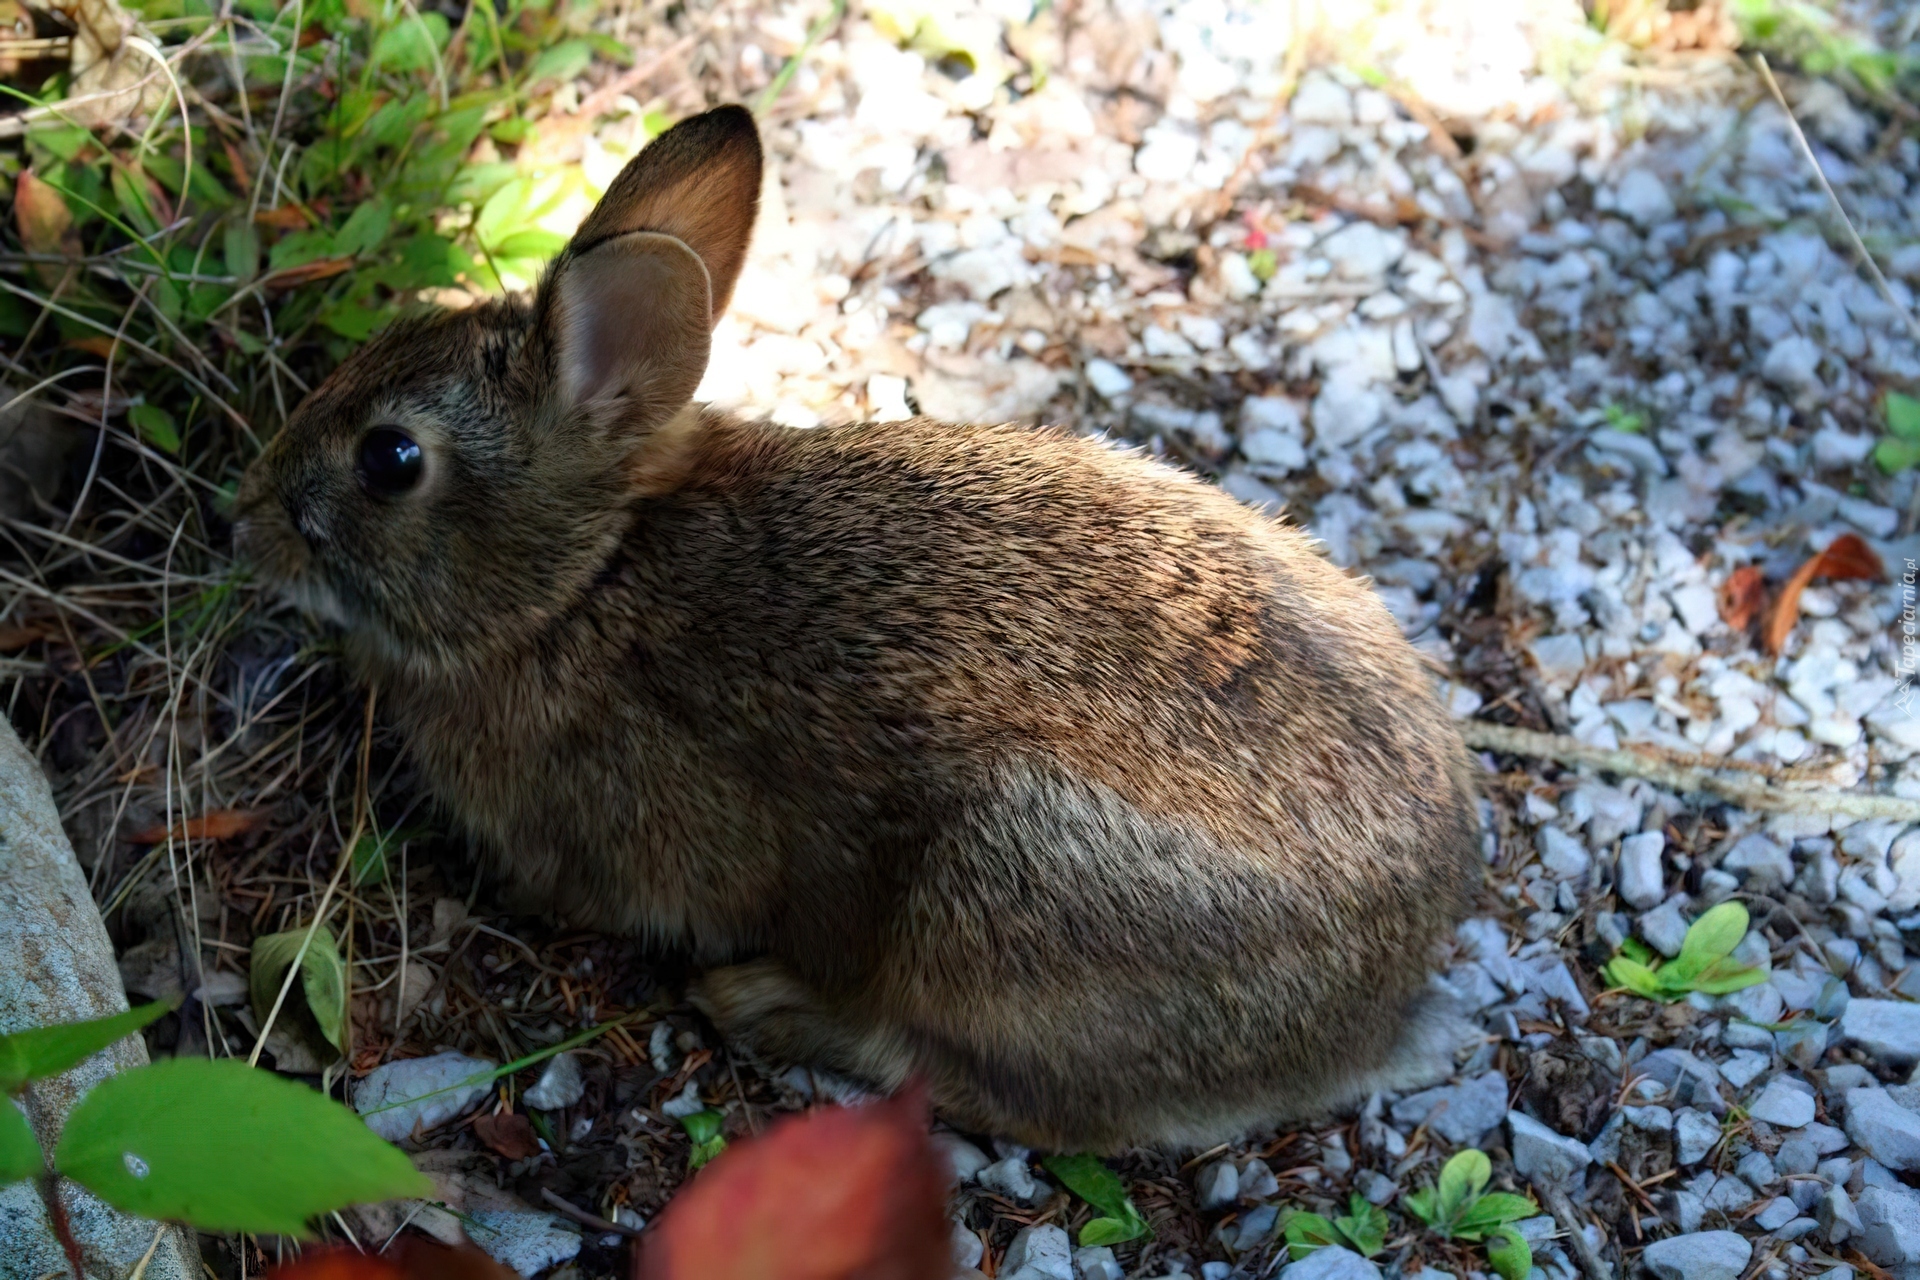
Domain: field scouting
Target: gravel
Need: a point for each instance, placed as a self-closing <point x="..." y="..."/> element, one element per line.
<point x="1540" y="1154"/>
<point x="1784" y="1104"/>
<point x="1890" y="1225"/>
<point x="1887" y="1029"/>
<point x="1038" y="1253"/>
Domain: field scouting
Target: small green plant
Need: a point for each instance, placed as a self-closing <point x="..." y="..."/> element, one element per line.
<point x="1900" y="447"/>
<point x="1621" y="419"/>
<point x="1363" y="1229"/>
<point x="215" y="1144"/>
<point x="1705" y="962"/>
<point x="703" y="1128"/>
<point x="1263" y="263"/>
<point x="1459" y="1207"/>
<point x="1098" y="1185"/>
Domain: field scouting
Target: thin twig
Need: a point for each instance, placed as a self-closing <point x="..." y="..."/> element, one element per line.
<point x="1859" y="245"/>
<point x="584" y="1218"/>
<point x="1695" y="776"/>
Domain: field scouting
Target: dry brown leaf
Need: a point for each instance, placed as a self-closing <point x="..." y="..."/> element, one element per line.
<point x="220" y="824"/>
<point x="1847" y="557"/>
<point x="19" y="636"/>
<point x="288" y="217"/>
<point x="1741" y="596"/>
<point x="42" y="216"/>
<point x="307" y="272"/>
<point x="508" y="1134"/>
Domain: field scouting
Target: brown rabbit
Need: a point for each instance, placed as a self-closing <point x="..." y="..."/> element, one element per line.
<point x="997" y="755"/>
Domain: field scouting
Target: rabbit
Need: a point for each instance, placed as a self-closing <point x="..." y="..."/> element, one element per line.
<point x="995" y="756"/>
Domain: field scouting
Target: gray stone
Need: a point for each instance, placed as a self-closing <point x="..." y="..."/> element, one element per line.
<point x="1882" y="1127"/>
<point x="57" y="965"/>
<point x="1641" y="880"/>
<point x="1783" y="1106"/>
<point x="1760" y="861"/>
<point x="1258" y="1183"/>
<point x="1694" y="1134"/>
<point x="1746" y="1065"/>
<point x="1648" y="1119"/>
<point x="1796" y="1228"/>
<point x="1837" y="1172"/>
<point x="1689" y="1210"/>
<point x="560" y="1085"/>
<point x="1890" y="1222"/>
<point x="1777" y="1212"/>
<point x="1564" y="857"/>
<point x="1796" y="1155"/>
<point x="1097" y="1263"/>
<point x="1377" y="1187"/>
<point x="1837" y="1215"/>
<point x="966" y="1246"/>
<point x="1805" y="1192"/>
<point x="963" y="1158"/>
<point x="1700" y="1255"/>
<point x="527" y="1241"/>
<point x="423" y="1092"/>
<point x="1459" y="1113"/>
<point x="1038" y="1253"/>
<point x="1218" y="1185"/>
<point x="1331" y="1263"/>
<point x="1756" y="1168"/>
<point x="1729" y="1194"/>
<point x="1540" y="1154"/>
<point x="1665" y="928"/>
<point x="1254" y="1226"/>
<point x="1012" y="1179"/>
<point x="1888" y="1029"/>
<point x="1826" y="1138"/>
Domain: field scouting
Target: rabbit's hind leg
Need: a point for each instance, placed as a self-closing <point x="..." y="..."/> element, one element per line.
<point x="763" y="1008"/>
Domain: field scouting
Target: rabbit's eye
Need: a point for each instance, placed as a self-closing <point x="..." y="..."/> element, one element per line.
<point x="390" y="462"/>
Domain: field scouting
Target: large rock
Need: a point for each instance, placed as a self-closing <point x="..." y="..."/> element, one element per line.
<point x="1888" y="1029"/>
<point x="1886" y="1130"/>
<point x="56" y="965"/>
<point x="1703" y="1255"/>
<point x="1890" y="1222"/>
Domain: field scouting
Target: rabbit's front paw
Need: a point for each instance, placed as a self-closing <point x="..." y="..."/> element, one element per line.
<point x="761" y="1008"/>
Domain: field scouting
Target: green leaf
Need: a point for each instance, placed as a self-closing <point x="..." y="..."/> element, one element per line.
<point x="1307" y="1232"/>
<point x="156" y="426"/>
<point x="536" y="243"/>
<point x="1724" y="976"/>
<point x="1462" y="1179"/>
<point x="1111" y="1231"/>
<point x="1493" y="1211"/>
<point x="1638" y="951"/>
<point x="19" y="1150"/>
<point x="1423" y="1204"/>
<point x="365" y="229"/>
<point x="703" y="1127"/>
<point x="1090" y="1179"/>
<point x="1512" y="1259"/>
<point x="1903" y="416"/>
<point x="298" y="248"/>
<point x="224" y="1147"/>
<point x="1712" y="937"/>
<point x="563" y="61"/>
<point x="1365" y="1226"/>
<point x="1635" y="977"/>
<point x="241" y="245"/>
<point x="1893" y="455"/>
<point x="410" y="45"/>
<point x="323" y="982"/>
<point x="47" y="1051"/>
<point x="130" y="193"/>
<point x="369" y="860"/>
<point x="1263" y="263"/>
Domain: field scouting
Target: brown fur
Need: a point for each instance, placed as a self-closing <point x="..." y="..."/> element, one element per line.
<point x="989" y="753"/>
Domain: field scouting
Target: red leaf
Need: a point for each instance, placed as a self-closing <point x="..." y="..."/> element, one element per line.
<point x="1741" y="597"/>
<point x="841" y="1193"/>
<point x="1846" y="557"/>
<point x="410" y="1258"/>
<point x="509" y="1134"/>
<point x="307" y="273"/>
<point x="219" y="824"/>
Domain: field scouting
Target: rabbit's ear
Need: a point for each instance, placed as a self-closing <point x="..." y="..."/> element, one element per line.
<point x="698" y="182"/>
<point x="628" y="320"/>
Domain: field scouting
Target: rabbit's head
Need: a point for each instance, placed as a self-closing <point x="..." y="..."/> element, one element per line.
<point x="463" y="476"/>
